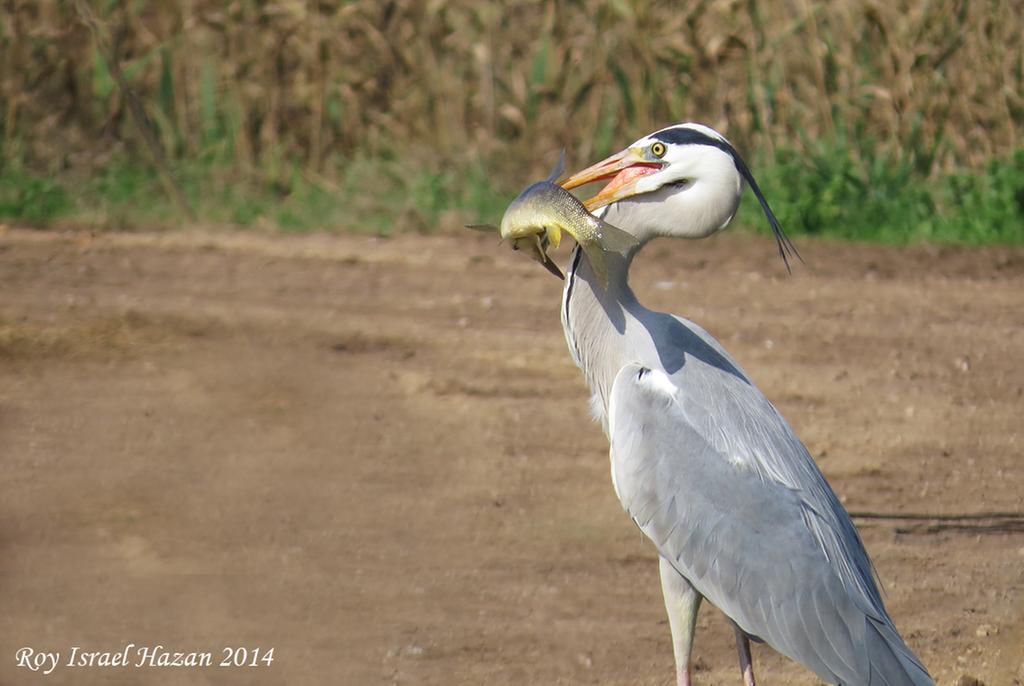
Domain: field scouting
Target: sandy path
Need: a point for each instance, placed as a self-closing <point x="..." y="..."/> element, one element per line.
<point x="375" y="455"/>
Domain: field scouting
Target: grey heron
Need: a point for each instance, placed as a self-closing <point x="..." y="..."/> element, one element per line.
<point x="700" y="459"/>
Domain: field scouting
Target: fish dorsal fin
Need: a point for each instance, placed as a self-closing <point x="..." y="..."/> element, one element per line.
<point x="557" y="170"/>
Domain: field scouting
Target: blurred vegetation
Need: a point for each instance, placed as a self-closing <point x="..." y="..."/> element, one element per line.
<point x="896" y="121"/>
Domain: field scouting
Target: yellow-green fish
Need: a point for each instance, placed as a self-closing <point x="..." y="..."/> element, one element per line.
<point x="539" y="215"/>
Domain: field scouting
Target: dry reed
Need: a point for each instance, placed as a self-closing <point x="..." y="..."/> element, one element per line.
<point x="319" y="83"/>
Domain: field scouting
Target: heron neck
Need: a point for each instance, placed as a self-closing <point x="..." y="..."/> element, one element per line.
<point x="600" y="323"/>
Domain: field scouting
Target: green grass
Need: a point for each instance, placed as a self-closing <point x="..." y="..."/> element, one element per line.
<point x="837" y="189"/>
<point x="866" y="195"/>
<point x="32" y="199"/>
<point x="371" y="196"/>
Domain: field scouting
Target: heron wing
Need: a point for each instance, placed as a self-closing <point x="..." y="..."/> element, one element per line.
<point x="713" y="475"/>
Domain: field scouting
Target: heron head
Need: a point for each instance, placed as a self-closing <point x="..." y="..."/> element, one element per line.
<point x="683" y="181"/>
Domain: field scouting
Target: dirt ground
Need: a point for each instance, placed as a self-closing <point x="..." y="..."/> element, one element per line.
<point x="375" y="455"/>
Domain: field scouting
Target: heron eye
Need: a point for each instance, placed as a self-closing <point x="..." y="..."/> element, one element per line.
<point x="658" y="149"/>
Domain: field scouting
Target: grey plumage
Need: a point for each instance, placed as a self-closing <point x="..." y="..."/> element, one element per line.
<point x="718" y="481"/>
<point x="767" y="543"/>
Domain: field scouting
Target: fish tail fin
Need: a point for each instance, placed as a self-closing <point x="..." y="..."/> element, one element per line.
<point x="595" y="254"/>
<point x="610" y="240"/>
<point x="614" y="239"/>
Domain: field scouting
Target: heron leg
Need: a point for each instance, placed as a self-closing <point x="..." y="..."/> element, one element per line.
<point x="746" y="662"/>
<point x="681" y="603"/>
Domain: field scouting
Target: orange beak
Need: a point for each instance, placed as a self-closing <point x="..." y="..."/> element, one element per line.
<point x="624" y="169"/>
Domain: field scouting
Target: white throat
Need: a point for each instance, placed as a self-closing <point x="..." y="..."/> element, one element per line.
<point x="600" y="324"/>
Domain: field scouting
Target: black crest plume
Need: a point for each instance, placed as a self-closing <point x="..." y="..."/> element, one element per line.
<point x="684" y="135"/>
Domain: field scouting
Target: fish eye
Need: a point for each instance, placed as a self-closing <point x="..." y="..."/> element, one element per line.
<point x="658" y="149"/>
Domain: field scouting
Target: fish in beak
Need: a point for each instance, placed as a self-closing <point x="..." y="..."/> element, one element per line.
<point x="535" y="220"/>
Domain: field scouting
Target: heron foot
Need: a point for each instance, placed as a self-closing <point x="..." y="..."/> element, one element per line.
<point x="746" y="661"/>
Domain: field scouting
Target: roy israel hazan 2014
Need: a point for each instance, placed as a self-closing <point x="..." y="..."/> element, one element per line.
<point x="133" y="655"/>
